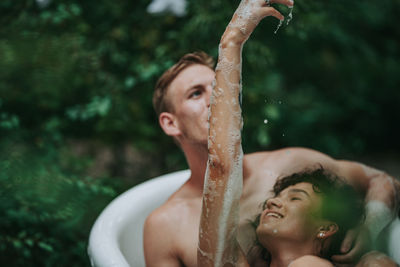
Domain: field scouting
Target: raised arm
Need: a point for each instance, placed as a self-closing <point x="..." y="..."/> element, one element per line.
<point x="223" y="182"/>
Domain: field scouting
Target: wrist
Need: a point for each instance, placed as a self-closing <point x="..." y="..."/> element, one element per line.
<point x="233" y="37"/>
<point x="378" y="216"/>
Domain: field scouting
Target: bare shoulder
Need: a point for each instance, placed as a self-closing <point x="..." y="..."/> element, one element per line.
<point x="168" y="233"/>
<point x="310" y="261"/>
<point x="170" y="214"/>
<point x="160" y="225"/>
<point x="158" y="239"/>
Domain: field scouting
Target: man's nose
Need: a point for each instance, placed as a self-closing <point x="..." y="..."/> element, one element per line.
<point x="208" y="95"/>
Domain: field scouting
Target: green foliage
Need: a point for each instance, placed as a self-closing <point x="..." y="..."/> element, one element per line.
<point x="46" y="211"/>
<point x="88" y="69"/>
<point x="85" y="70"/>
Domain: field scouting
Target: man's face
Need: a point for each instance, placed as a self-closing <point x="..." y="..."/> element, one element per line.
<point x="189" y="93"/>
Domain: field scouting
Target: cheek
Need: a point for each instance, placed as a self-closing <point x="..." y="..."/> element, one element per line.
<point x="191" y="109"/>
<point x="302" y="218"/>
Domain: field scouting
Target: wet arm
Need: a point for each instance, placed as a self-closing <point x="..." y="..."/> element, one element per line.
<point x="223" y="183"/>
<point x="217" y="243"/>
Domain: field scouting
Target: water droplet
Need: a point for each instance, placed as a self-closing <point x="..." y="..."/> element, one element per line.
<point x="279" y="25"/>
<point x="265" y="121"/>
<point x="290" y="16"/>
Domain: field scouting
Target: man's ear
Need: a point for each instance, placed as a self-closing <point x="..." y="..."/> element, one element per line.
<point x="169" y="124"/>
<point x="328" y="230"/>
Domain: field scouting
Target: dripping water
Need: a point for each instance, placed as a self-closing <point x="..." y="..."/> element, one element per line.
<point x="290" y="16"/>
<point x="279" y="25"/>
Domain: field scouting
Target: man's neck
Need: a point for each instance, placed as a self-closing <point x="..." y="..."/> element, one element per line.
<point x="196" y="156"/>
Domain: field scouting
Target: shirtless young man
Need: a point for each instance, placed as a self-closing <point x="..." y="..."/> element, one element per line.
<point x="182" y="99"/>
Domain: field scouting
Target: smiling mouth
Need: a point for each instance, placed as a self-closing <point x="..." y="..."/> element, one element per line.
<point x="274" y="214"/>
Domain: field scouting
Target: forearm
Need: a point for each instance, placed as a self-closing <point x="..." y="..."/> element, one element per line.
<point x="383" y="188"/>
<point x="381" y="192"/>
<point x="223" y="184"/>
<point x="382" y="200"/>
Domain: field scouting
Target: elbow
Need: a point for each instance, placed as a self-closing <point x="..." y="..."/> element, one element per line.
<point x="386" y="189"/>
<point x="218" y="166"/>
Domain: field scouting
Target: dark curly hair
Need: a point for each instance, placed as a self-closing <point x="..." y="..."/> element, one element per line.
<point x="340" y="202"/>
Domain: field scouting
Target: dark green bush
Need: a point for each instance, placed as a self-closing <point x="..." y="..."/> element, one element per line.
<point x="46" y="212"/>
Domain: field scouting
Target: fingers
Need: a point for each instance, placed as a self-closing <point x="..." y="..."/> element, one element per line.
<point x="349" y="258"/>
<point x="288" y="3"/>
<point x="342" y="259"/>
<point x="270" y="11"/>
<point x="348" y="241"/>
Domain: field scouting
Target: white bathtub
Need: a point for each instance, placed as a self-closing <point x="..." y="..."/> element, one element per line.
<point x="116" y="238"/>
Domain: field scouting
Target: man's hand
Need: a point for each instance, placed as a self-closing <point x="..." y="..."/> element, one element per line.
<point x="356" y="242"/>
<point x="247" y="16"/>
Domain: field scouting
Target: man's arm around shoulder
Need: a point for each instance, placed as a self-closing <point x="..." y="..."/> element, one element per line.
<point x="381" y="198"/>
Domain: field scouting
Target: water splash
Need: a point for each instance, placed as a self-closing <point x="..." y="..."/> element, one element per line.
<point x="175" y="7"/>
<point x="279" y="25"/>
<point x="290" y="16"/>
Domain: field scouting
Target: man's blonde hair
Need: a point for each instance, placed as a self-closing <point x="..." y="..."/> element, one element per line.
<point x="160" y="101"/>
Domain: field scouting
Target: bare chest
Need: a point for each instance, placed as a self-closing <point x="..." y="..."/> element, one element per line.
<point x="187" y="234"/>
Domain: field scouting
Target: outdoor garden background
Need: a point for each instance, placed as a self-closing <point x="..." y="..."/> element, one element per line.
<point x="77" y="126"/>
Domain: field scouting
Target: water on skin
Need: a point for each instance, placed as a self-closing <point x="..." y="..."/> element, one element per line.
<point x="234" y="182"/>
<point x="227" y="219"/>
